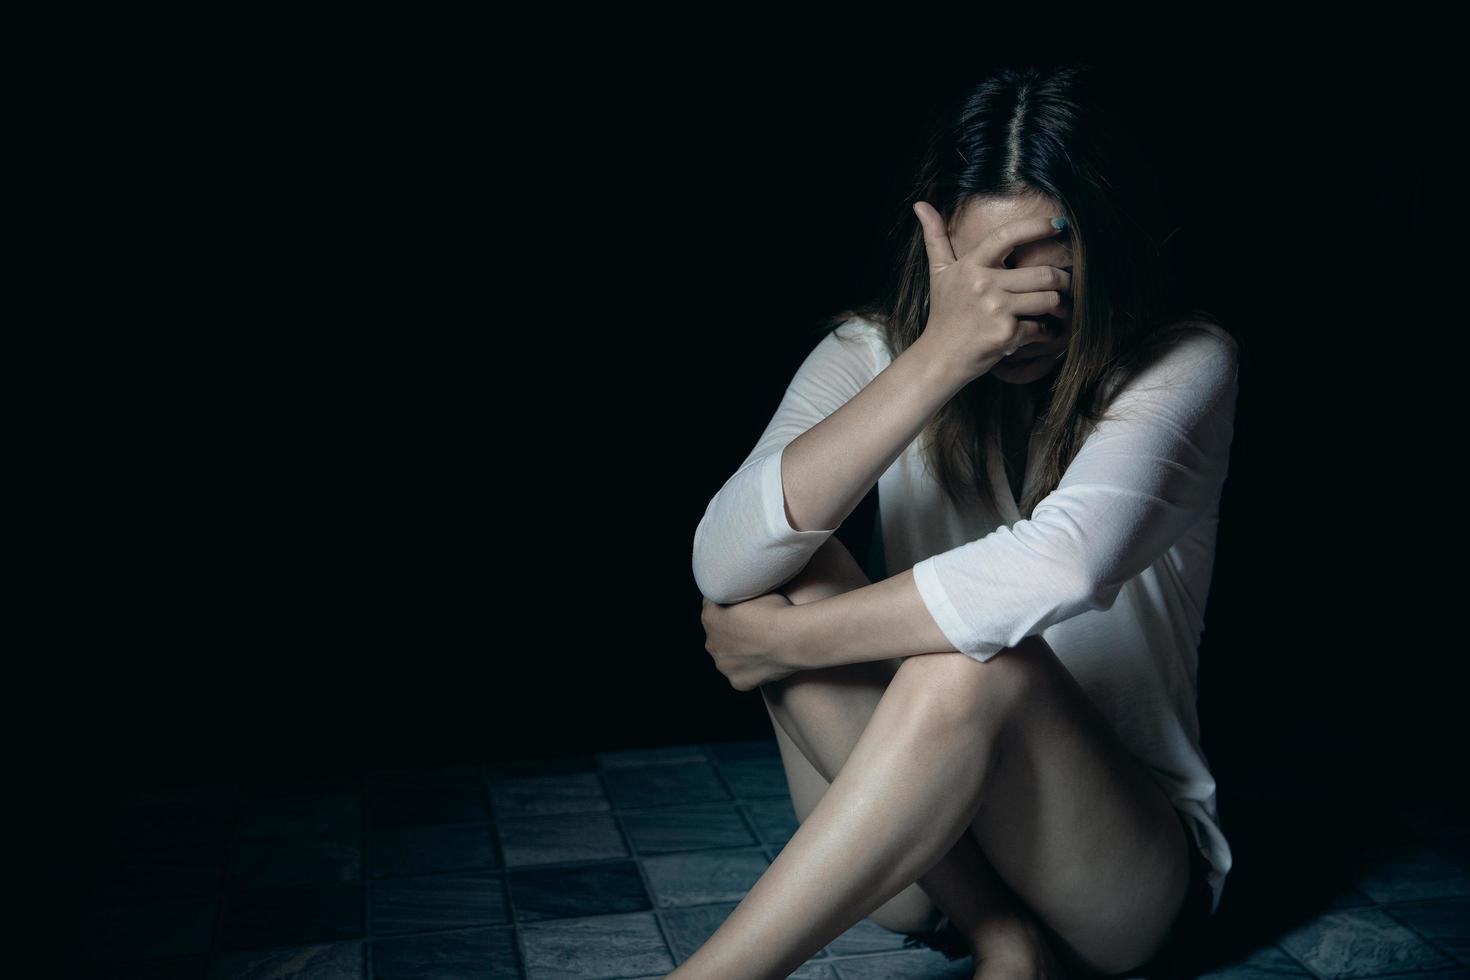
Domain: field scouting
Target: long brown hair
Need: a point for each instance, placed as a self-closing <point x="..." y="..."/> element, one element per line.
<point x="1038" y="130"/>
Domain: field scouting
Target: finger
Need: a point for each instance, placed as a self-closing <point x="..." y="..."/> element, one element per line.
<point x="936" y="236"/>
<point x="1028" y="332"/>
<point x="1033" y="278"/>
<point x="993" y="249"/>
<point x="1043" y="301"/>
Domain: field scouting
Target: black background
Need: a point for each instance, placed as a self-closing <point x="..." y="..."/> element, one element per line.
<point x="398" y="373"/>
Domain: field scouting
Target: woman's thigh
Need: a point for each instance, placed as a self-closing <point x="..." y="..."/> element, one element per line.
<point x="1074" y="824"/>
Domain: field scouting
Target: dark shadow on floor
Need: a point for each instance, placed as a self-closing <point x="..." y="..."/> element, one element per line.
<point x="620" y="864"/>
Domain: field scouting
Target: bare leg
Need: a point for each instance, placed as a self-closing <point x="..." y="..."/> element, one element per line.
<point x="1089" y="842"/>
<point x="901" y="800"/>
<point x="1007" y="941"/>
<point x="818" y="717"/>
<point x="908" y="791"/>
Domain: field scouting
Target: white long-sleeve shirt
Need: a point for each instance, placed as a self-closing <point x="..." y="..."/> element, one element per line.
<point x="1112" y="568"/>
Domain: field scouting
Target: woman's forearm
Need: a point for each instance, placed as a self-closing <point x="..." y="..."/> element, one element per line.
<point x="827" y="470"/>
<point x="878" y="621"/>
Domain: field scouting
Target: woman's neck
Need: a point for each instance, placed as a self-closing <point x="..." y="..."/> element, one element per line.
<point x="1035" y="399"/>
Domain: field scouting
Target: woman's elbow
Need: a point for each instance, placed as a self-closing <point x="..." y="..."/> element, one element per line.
<point x="718" y="585"/>
<point x="713" y="585"/>
<point x="722" y="592"/>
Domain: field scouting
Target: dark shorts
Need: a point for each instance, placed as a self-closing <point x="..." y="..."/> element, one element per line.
<point x="1176" y="959"/>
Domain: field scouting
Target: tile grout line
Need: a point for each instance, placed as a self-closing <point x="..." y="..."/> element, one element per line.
<point x="498" y="840"/>
<point x="658" y="917"/>
<point x="1300" y="962"/>
<point x="235" y="839"/>
<point x="1453" y="960"/>
<point x="369" y="937"/>
<point x="741" y="806"/>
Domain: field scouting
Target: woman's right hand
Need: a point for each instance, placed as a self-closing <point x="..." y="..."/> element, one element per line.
<point x="978" y="308"/>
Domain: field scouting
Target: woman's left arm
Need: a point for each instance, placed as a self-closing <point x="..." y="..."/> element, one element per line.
<point x="1147" y="472"/>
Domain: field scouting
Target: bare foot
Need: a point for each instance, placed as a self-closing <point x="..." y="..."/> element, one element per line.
<point x="1018" y="952"/>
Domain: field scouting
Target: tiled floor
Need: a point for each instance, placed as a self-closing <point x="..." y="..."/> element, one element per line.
<point x="622" y="863"/>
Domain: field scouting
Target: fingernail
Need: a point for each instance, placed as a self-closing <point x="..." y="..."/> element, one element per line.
<point x="1059" y="223"/>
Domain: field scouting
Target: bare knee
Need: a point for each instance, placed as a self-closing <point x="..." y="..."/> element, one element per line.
<point x="832" y="570"/>
<point x="953" y="685"/>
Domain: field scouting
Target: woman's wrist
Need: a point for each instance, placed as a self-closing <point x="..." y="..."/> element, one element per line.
<point x="940" y="370"/>
<point x="795" y="640"/>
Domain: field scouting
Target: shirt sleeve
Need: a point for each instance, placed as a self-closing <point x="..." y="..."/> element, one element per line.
<point x="1149" y="470"/>
<point x="744" y="546"/>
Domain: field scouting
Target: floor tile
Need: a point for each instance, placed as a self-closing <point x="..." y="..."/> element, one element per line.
<point x="1360" y="943"/>
<point x="1404" y="873"/>
<point x="1263" y="964"/>
<point x="1444" y="922"/>
<point x="433" y="902"/>
<point x="269" y="874"/>
<point x="489" y="952"/>
<point x="578" y="891"/>
<point x="643" y="757"/>
<point x="299" y="915"/>
<point x="815" y="971"/>
<point x="689" y="928"/>
<point x="664" y="830"/>
<point x="755" y="777"/>
<point x="596" y="947"/>
<point x="1459" y="973"/>
<point x="150" y="930"/>
<point x="426" y="850"/>
<point x="702" y="877"/>
<point x="866" y="936"/>
<point x="313" y="815"/>
<point x="669" y="784"/>
<point x="774" y="818"/>
<point x="924" y="964"/>
<point x="308" y="861"/>
<point x="339" y="961"/>
<point x="529" y="796"/>
<point x="561" y="837"/>
<point x="743" y="751"/>
<point x="514" y="768"/>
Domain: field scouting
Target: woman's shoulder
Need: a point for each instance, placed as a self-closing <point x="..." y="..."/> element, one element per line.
<point x="867" y="333"/>
<point x="1193" y="348"/>
<point x="1202" y="334"/>
<point x="1195" y="359"/>
<point x="1200" y="322"/>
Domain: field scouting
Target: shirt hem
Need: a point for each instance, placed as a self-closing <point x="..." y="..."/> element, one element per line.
<point x="937" y="601"/>
<point x="774" y="496"/>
